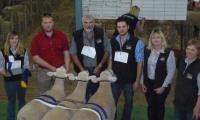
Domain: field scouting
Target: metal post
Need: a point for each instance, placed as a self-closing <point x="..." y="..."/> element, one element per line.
<point x="78" y="14"/>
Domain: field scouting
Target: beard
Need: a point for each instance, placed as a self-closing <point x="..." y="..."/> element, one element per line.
<point x="88" y="29"/>
<point x="123" y="33"/>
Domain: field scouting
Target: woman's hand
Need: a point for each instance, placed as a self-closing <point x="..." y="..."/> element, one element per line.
<point x="196" y="112"/>
<point x="159" y="90"/>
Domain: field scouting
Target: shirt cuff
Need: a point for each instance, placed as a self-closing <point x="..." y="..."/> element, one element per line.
<point x="165" y="84"/>
<point x="139" y="61"/>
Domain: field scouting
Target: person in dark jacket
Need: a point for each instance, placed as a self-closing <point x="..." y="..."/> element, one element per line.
<point x="89" y="51"/>
<point x="15" y="69"/>
<point x="158" y="72"/>
<point x="187" y="90"/>
<point x="133" y="20"/>
<point x="126" y="62"/>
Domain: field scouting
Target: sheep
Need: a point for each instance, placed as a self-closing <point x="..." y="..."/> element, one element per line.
<point x="73" y="102"/>
<point x="101" y="105"/>
<point x="36" y="108"/>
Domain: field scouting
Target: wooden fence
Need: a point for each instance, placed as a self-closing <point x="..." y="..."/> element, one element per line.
<point x="24" y="17"/>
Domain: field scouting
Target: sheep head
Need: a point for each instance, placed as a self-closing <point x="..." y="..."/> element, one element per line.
<point x="107" y="75"/>
<point x="59" y="73"/>
<point x="82" y="76"/>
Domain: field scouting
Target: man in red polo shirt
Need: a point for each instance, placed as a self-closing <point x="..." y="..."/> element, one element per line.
<point x="49" y="49"/>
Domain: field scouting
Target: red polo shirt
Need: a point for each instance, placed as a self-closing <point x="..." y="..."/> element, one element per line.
<point x="50" y="49"/>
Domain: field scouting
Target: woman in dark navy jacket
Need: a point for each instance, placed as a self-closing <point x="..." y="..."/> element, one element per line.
<point x="159" y="68"/>
<point x="187" y="90"/>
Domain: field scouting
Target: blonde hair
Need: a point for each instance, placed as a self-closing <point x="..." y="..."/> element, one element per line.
<point x="196" y="44"/>
<point x="157" y="30"/>
<point x="134" y="10"/>
<point x="20" y="48"/>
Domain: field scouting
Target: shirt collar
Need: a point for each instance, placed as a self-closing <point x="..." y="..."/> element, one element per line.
<point x="13" y="51"/>
<point x="188" y="61"/>
<point x="161" y="51"/>
<point x="118" y="37"/>
<point x="52" y="34"/>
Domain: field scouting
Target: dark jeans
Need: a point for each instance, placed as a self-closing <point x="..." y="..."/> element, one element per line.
<point x="183" y="115"/>
<point x="128" y="93"/>
<point x="13" y="91"/>
<point x="91" y="87"/>
<point x="156" y="103"/>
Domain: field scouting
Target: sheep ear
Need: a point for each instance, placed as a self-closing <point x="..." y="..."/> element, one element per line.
<point x="71" y="76"/>
<point x="113" y="79"/>
<point x="107" y="75"/>
<point x="50" y="74"/>
<point x="93" y="78"/>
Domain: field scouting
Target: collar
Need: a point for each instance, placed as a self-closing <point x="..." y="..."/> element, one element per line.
<point x="188" y="61"/>
<point x="119" y="36"/>
<point x="13" y="51"/>
<point x="54" y="32"/>
<point x="162" y="50"/>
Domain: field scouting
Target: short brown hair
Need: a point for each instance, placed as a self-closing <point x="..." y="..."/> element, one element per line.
<point x="196" y="43"/>
<point x="47" y="15"/>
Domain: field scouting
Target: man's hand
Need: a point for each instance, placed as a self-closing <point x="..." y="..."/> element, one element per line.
<point x="38" y="60"/>
<point x="97" y="70"/>
<point x="53" y="69"/>
<point x="4" y="73"/>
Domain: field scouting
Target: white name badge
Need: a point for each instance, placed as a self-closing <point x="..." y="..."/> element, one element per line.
<point x="16" y="64"/>
<point x="89" y="51"/>
<point x="121" y="57"/>
<point x="11" y="58"/>
<point x="15" y="68"/>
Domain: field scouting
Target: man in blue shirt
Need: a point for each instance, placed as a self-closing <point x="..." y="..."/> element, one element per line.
<point x="126" y="62"/>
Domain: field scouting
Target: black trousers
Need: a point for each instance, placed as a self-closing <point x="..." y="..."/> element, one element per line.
<point x="156" y="103"/>
<point x="91" y="87"/>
